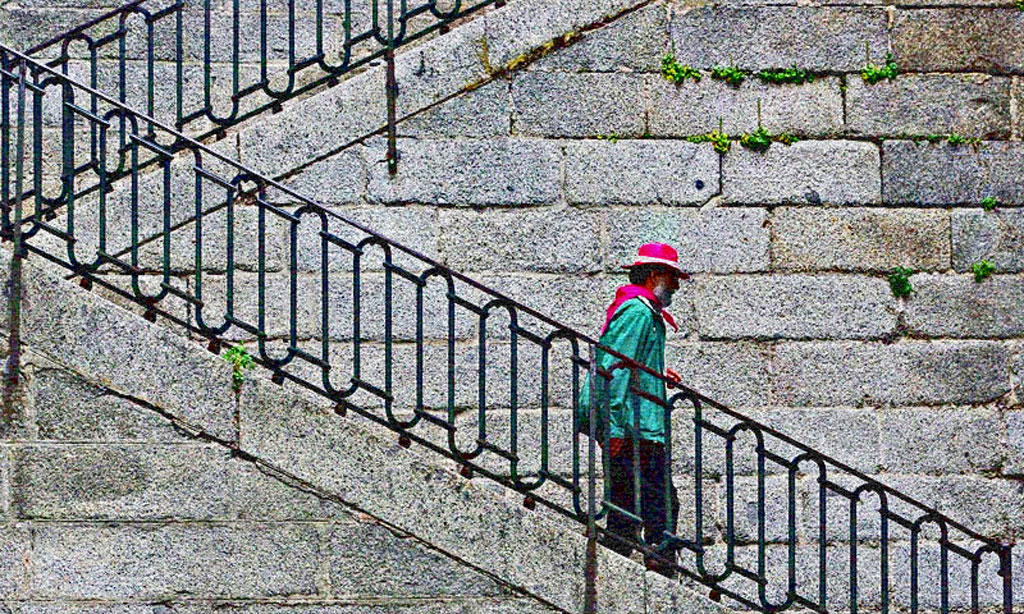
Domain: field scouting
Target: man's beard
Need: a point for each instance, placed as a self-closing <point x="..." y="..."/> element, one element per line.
<point x="663" y="294"/>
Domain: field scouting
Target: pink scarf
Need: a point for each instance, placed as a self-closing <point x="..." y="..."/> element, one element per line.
<point x="628" y="292"/>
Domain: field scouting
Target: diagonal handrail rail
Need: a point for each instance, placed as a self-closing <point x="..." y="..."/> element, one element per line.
<point x="287" y="356"/>
<point x="134" y="51"/>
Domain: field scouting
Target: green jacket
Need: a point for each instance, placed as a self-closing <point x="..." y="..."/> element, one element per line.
<point x="635" y="331"/>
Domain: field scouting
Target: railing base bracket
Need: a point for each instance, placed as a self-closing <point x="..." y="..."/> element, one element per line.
<point x="530" y="503"/>
<point x="341" y="410"/>
<point x="277" y="378"/>
<point x="214" y="346"/>
<point x="714" y="595"/>
<point x="86" y="283"/>
<point x="466" y="472"/>
<point x="404" y="441"/>
<point x="150" y="315"/>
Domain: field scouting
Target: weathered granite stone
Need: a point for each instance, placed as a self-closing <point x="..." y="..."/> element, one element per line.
<point x="1015" y="433"/>
<point x="695" y="108"/>
<point x="718" y="240"/>
<point x="411" y="226"/>
<point x="859" y="239"/>
<point x="578" y="104"/>
<point x="635" y="42"/>
<point x="483" y="112"/>
<point x="943" y="174"/>
<point x="368" y="559"/>
<point x="467" y="172"/>
<point x="69" y="408"/>
<point x="735" y="373"/>
<point x="941" y="441"/>
<point x="641" y="172"/>
<point x="956" y="40"/>
<point x="990" y="506"/>
<point x="557" y="241"/>
<point x="814" y="38"/>
<point x="958" y="306"/>
<point x="340" y="179"/>
<point x="907" y="373"/>
<point x="521" y="26"/>
<point x="834" y="172"/>
<point x="157" y="562"/>
<point x="977" y="105"/>
<point x="14" y="555"/>
<point x="794" y="307"/>
<point x="996" y="236"/>
<point x="151" y="483"/>
<point x="70" y="325"/>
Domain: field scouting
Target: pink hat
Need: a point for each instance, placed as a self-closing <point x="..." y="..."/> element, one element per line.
<point x="658" y="253"/>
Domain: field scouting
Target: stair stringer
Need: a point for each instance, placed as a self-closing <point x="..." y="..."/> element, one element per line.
<point x="293" y="433"/>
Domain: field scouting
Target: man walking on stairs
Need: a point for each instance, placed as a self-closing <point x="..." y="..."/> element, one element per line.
<point x="635" y="327"/>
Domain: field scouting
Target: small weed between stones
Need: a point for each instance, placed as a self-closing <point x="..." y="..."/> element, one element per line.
<point x="611" y="138"/>
<point x="761" y="139"/>
<point x="989" y="203"/>
<point x="872" y="74"/>
<point x="677" y="73"/>
<point x="1019" y="4"/>
<point x="730" y="74"/>
<point x="982" y="270"/>
<point x="241" y="362"/>
<point x="758" y="140"/>
<point x="899" y="282"/>
<point x="719" y="140"/>
<point x="778" y="76"/>
<point x="957" y="139"/>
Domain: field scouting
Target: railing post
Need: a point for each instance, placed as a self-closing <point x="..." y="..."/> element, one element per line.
<point x="392" y="92"/>
<point x="12" y="367"/>
<point x="590" y="589"/>
<point x="1006" y="571"/>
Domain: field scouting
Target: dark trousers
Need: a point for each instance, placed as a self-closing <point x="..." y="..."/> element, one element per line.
<point x="621" y="529"/>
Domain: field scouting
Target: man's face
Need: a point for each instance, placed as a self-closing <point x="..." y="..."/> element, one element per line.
<point x="664" y="284"/>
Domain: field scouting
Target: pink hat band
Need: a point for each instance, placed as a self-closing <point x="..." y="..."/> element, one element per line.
<point x="657" y="253"/>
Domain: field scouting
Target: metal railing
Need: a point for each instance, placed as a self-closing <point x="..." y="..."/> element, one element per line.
<point x="388" y="333"/>
<point x="202" y="67"/>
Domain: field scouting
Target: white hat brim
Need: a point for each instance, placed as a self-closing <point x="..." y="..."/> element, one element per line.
<point x="641" y="260"/>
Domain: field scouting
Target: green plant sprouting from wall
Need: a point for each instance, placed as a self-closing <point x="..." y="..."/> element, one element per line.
<point x="958" y="139"/>
<point x="718" y="138"/>
<point x="675" y="72"/>
<point x="1019" y="4"/>
<point x="730" y="74"/>
<point x="758" y="140"/>
<point x="952" y="139"/>
<point x="989" y="203"/>
<point x="872" y="74"/>
<point x="241" y="362"/>
<point x="761" y="139"/>
<point x="794" y="75"/>
<point x="982" y="270"/>
<point x="899" y="282"/>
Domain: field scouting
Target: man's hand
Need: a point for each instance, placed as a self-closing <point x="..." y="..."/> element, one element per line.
<point x="672" y="375"/>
